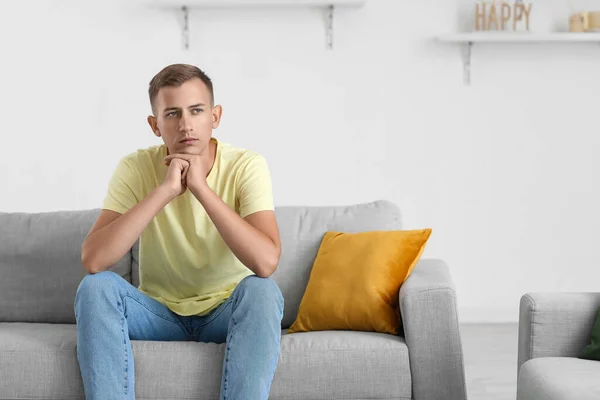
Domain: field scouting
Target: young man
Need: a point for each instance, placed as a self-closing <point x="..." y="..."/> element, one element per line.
<point x="209" y="241"/>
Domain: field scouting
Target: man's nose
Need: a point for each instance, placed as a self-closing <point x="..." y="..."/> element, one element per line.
<point x="185" y="123"/>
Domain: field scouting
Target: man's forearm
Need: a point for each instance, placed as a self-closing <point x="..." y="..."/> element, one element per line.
<point x="253" y="248"/>
<point x="106" y="246"/>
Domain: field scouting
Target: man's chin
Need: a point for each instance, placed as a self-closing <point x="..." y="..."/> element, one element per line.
<point x="193" y="149"/>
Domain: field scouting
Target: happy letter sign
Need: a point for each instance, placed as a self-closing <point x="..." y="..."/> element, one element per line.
<point x="495" y="15"/>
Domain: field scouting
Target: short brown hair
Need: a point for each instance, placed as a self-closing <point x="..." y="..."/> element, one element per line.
<point x="176" y="75"/>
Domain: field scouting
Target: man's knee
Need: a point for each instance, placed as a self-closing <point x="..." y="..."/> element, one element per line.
<point x="96" y="284"/>
<point x="265" y="288"/>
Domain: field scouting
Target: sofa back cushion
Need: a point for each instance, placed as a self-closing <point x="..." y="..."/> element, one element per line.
<point x="302" y="230"/>
<point x="40" y="264"/>
<point x="40" y="255"/>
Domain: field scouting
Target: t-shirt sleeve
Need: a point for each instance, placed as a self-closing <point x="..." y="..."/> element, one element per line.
<point x="122" y="194"/>
<point x="254" y="191"/>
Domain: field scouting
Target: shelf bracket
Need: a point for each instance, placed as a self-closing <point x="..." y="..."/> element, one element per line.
<point x="186" y="27"/>
<point x="466" y="58"/>
<point x="330" y="10"/>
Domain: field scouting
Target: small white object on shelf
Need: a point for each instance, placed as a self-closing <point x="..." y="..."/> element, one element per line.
<point x="186" y="5"/>
<point x="468" y="39"/>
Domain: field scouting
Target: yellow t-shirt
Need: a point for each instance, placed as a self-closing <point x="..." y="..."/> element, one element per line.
<point x="184" y="263"/>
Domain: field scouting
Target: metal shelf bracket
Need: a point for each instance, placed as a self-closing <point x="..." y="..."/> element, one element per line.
<point x="466" y="58"/>
<point x="330" y="11"/>
<point x="186" y="27"/>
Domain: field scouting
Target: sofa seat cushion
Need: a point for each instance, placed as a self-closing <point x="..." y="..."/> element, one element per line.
<point x="559" y="378"/>
<point x="40" y="361"/>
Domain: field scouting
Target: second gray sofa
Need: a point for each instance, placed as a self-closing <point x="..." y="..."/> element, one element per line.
<point x="553" y="329"/>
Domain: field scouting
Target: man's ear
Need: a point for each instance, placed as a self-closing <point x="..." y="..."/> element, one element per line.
<point x="153" y="125"/>
<point x="217" y="111"/>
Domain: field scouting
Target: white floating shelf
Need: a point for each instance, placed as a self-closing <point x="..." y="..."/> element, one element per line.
<point x="517" y="37"/>
<point x="468" y="39"/>
<point x="186" y="5"/>
<point x="256" y="3"/>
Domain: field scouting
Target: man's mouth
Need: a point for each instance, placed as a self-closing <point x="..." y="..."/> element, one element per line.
<point x="188" y="141"/>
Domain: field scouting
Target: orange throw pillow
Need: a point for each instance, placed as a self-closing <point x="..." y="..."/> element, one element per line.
<point x="355" y="281"/>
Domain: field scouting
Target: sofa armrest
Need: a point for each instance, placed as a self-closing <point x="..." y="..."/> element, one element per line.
<point x="430" y="320"/>
<point x="555" y="324"/>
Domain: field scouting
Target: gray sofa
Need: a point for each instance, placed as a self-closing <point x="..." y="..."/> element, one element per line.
<point x="553" y="329"/>
<point x="41" y="269"/>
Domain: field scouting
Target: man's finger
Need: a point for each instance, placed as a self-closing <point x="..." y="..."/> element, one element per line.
<point x="168" y="162"/>
<point x="185" y="157"/>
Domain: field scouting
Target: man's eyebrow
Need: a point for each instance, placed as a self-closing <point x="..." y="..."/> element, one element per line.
<point x="177" y="108"/>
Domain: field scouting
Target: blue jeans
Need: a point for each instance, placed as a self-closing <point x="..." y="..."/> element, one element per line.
<point x="110" y="312"/>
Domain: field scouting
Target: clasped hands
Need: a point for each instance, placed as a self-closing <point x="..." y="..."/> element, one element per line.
<point x="185" y="171"/>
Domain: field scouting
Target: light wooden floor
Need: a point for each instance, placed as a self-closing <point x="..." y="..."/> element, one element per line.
<point x="490" y="352"/>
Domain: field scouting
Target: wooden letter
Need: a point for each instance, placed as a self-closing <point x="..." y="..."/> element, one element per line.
<point x="517" y="15"/>
<point x="506" y="9"/>
<point x="480" y="16"/>
<point x="493" y="17"/>
<point x="527" y="11"/>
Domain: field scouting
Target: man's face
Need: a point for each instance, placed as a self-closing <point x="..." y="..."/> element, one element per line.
<point x="184" y="117"/>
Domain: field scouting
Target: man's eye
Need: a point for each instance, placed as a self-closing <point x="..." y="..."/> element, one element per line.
<point x="171" y="114"/>
<point x="197" y="110"/>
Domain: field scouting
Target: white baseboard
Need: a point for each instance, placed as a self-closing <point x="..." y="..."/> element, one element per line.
<point x="488" y="315"/>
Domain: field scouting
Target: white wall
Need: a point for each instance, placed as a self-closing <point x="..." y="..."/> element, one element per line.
<point x="504" y="171"/>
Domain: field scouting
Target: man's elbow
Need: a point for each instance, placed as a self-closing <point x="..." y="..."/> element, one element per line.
<point x="88" y="262"/>
<point x="268" y="265"/>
